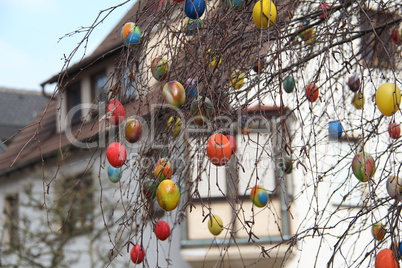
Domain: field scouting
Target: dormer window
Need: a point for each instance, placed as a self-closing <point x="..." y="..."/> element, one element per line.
<point x="99" y="88"/>
<point x="74" y="99"/>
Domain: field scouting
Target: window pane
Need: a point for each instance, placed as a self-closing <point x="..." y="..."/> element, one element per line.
<point x="99" y="88"/>
<point x="73" y="99"/>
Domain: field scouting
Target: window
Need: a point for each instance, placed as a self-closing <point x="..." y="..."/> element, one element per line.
<point x="10" y="223"/>
<point x="377" y="49"/>
<point x="73" y="99"/>
<point x="74" y="207"/>
<point x="130" y="87"/>
<point x="99" y="87"/>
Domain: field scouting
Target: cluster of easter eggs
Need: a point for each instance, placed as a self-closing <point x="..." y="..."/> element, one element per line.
<point x="159" y="68"/>
<point x="131" y="34"/>
<point x="363" y="166"/>
<point x="259" y="196"/>
<point x="174" y="93"/>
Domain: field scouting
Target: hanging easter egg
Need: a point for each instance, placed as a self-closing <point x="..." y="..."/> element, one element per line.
<point x="388" y="99"/>
<point x="358" y="100"/>
<point x="159" y="68"/>
<point x="115" y="112"/>
<point x="132" y="130"/>
<point x="259" y="196"/>
<point x="235" y="4"/>
<point x="190" y="86"/>
<point x="396" y="36"/>
<point x="191" y="25"/>
<point x="213" y="59"/>
<point x="354" y="83"/>
<point x="363" y="166"/>
<point x="168" y="195"/>
<point x="259" y="63"/>
<point x="174" y="125"/>
<point x="307" y="34"/>
<point x="394" y="131"/>
<point x="232" y="142"/>
<point x="323" y="11"/>
<point x="194" y="8"/>
<point x="237" y="79"/>
<point x="219" y="150"/>
<point x="131" y="34"/>
<point x="378" y="231"/>
<point x="149" y="186"/>
<point x="137" y="254"/>
<point x="334" y="130"/>
<point x="386" y="259"/>
<point x="116" y="154"/>
<point x="174" y="93"/>
<point x="286" y="164"/>
<point x="264" y="14"/>
<point x="288" y="84"/>
<point x="201" y="109"/>
<point x="394" y="187"/>
<point x="245" y="124"/>
<point x="215" y="225"/>
<point x="163" y="169"/>
<point x="312" y="92"/>
<point x="114" y="174"/>
<point x="162" y="230"/>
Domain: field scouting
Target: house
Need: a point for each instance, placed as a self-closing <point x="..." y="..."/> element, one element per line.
<point x="317" y="212"/>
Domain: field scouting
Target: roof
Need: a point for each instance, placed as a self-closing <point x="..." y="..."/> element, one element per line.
<point x="18" y="108"/>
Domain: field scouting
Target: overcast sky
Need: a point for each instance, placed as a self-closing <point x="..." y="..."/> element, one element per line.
<point x="30" y="50"/>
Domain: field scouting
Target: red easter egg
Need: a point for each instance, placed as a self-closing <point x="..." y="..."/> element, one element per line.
<point x="396" y="37"/>
<point x="219" y="150"/>
<point x="116" y="154"/>
<point x="394" y="130"/>
<point x="312" y="92"/>
<point x="232" y="142"/>
<point x="137" y="254"/>
<point x="115" y="112"/>
<point x="162" y="230"/>
<point x="324" y="10"/>
<point x="354" y="83"/>
<point x="386" y="259"/>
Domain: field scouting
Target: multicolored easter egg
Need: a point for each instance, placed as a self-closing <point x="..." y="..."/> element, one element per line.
<point x="354" y="83"/>
<point x="174" y="125"/>
<point x="162" y="230"/>
<point x="131" y="34"/>
<point x="286" y="164"/>
<point x="335" y="130"/>
<point x="386" y="259"/>
<point x="194" y="9"/>
<point x="324" y="11"/>
<point x="259" y="196"/>
<point x="149" y="186"/>
<point x="201" y="109"/>
<point x="133" y="130"/>
<point x="259" y="63"/>
<point x="116" y="154"/>
<point x="245" y="125"/>
<point x="159" y="68"/>
<point x="163" y="169"/>
<point x="168" y="195"/>
<point x="213" y="59"/>
<point x="264" y="14"/>
<point x="235" y="4"/>
<point x="388" y="98"/>
<point x="219" y="149"/>
<point x="363" y="166"/>
<point x="312" y="92"/>
<point x="394" y="187"/>
<point x="191" y="25"/>
<point x="174" y="93"/>
<point x="215" y="224"/>
<point x="137" y="254"/>
<point x="394" y="131"/>
<point x="288" y="84"/>
<point x="190" y="86"/>
<point x="358" y="100"/>
<point x="115" y="112"/>
<point x="232" y="142"/>
<point x="307" y="35"/>
<point x="114" y="174"/>
<point x="378" y="231"/>
<point x="237" y="79"/>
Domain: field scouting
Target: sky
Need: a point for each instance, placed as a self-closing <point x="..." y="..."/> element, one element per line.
<point x="30" y="30"/>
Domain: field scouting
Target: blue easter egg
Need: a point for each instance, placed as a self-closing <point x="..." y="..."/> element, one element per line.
<point x="131" y="34"/>
<point x="335" y="130"/>
<point x="190" y="86"/>
<point x="114" y="174"/>
<point x="194" y="8"/>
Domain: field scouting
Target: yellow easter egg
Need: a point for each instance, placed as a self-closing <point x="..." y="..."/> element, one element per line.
<point x="358" y="100"/>
<point x="388" y="98"/>
<point x="215" y="225"/>
<point x="168" y="195"/>
<point x="264" y="14"/>
<point x="237" y="79"/>
<point x="174" y="125"/>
